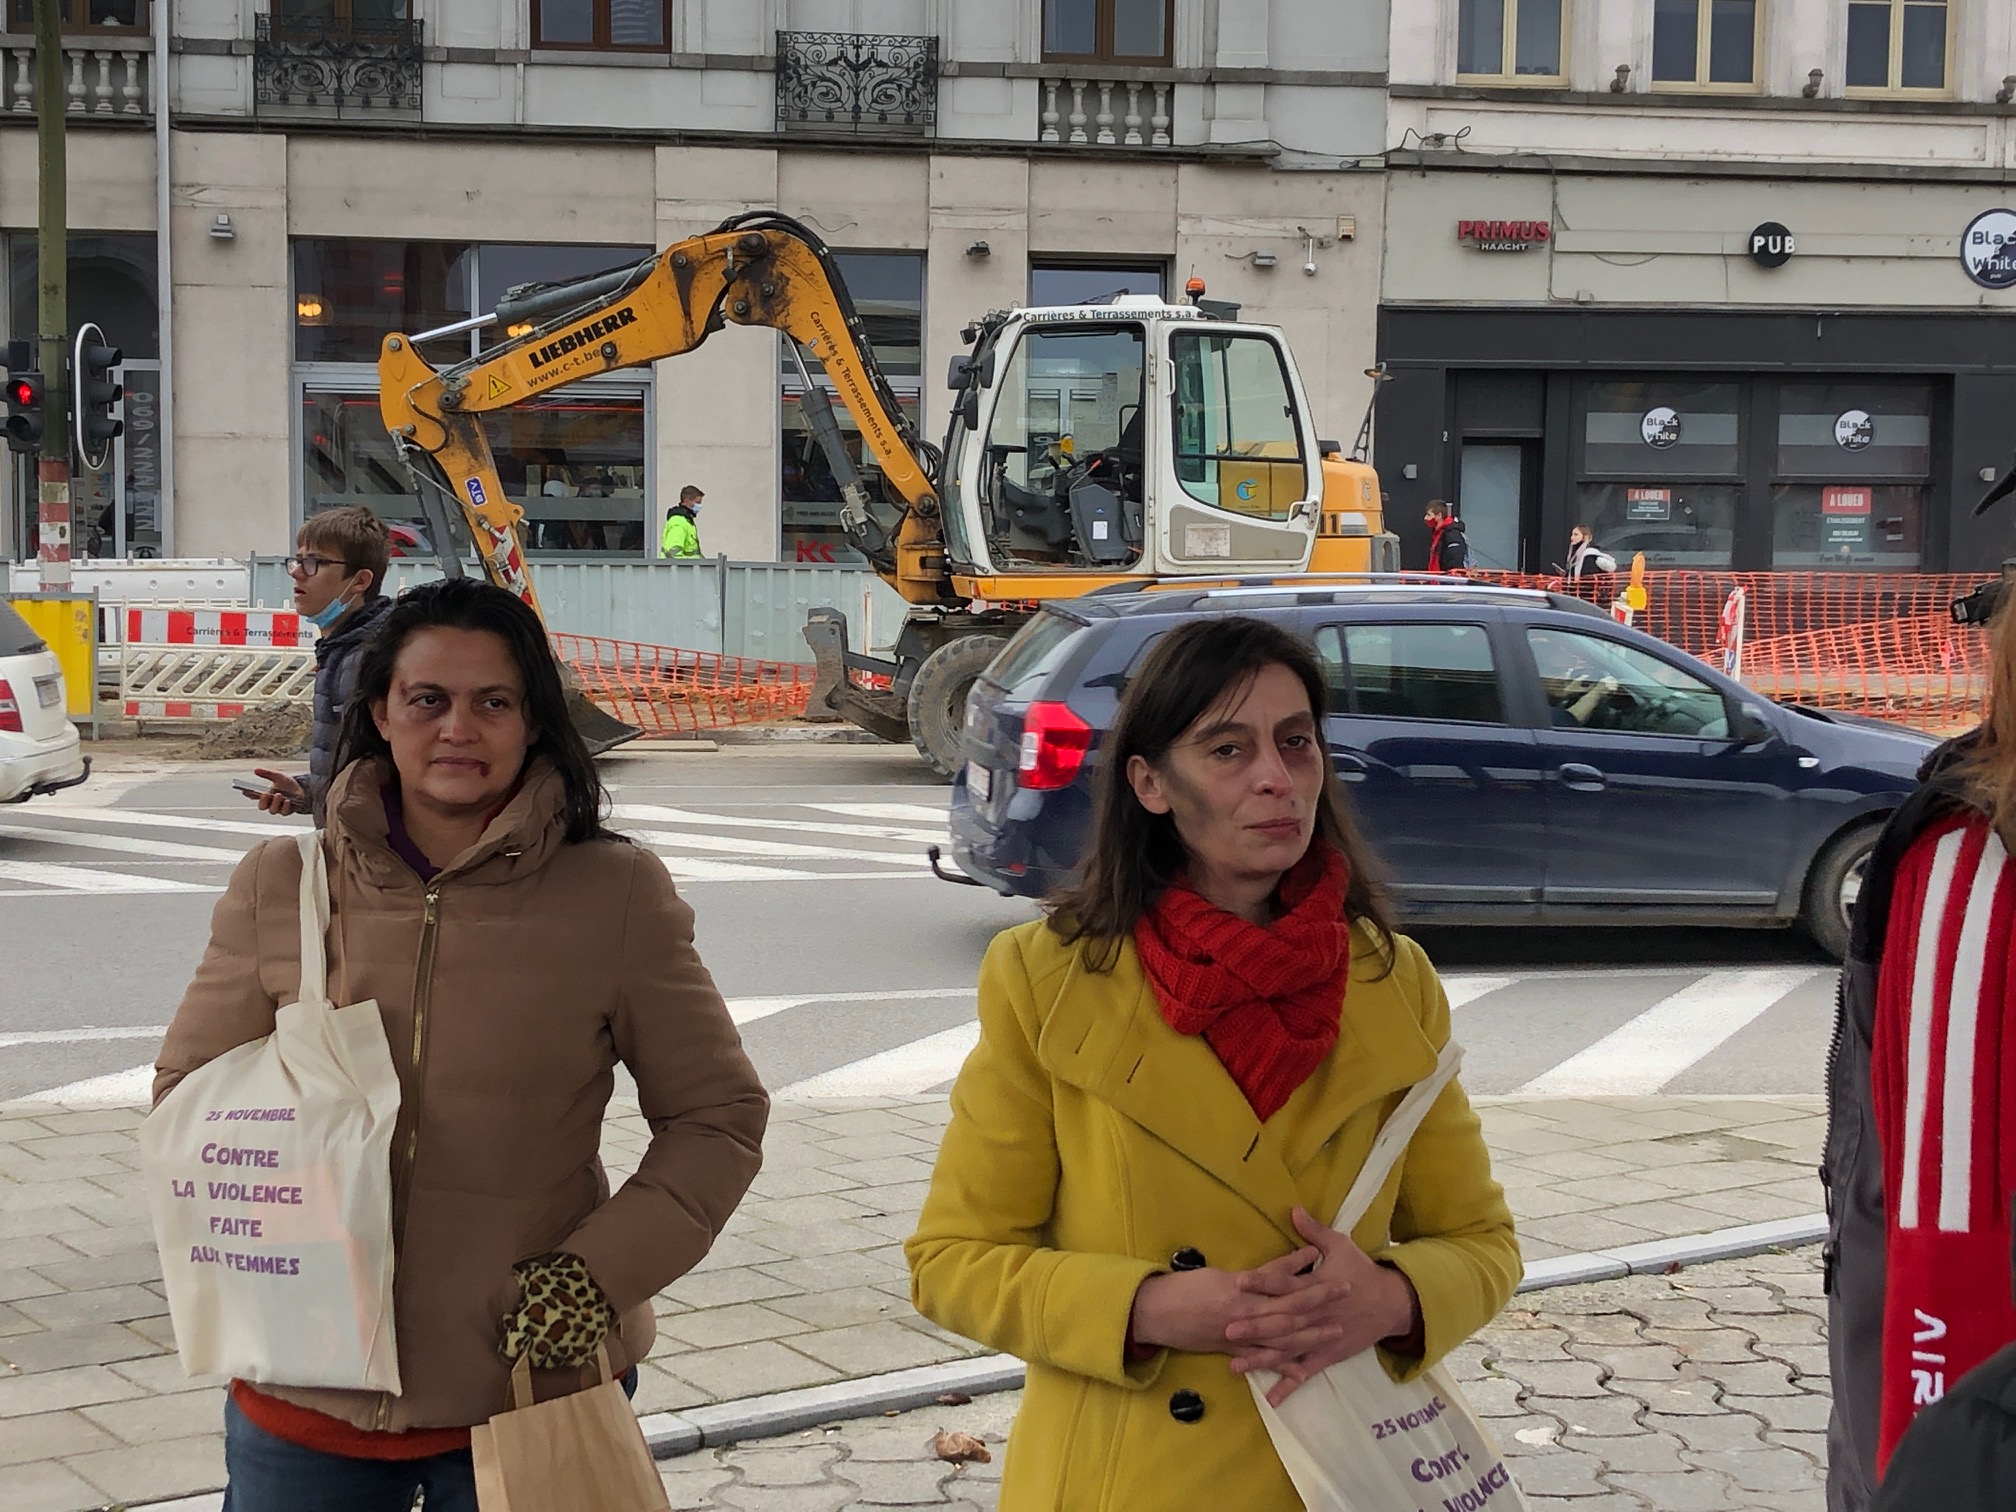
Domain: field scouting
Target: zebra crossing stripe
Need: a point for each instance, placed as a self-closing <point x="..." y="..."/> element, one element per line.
<point x="49" y="880"/>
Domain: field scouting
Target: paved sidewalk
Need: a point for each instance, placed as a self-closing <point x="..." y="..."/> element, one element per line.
<point x="807" y="1287"/>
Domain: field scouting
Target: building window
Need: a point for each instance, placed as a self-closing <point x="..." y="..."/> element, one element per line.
<point x="1851" y="475"/>
<point x="1517" y="41"/>
<point x="574" y="461"/>
<point x="1083" y="284"/>
<point x="1708" y="44"/>
<point x="888" y="293"/>
<point x="1662" y="470"/>
<point x="86" y="15"/>
<point x="1106" y="31"/>
<point x="1897" y="46"/>
<point x="602" y="25"/>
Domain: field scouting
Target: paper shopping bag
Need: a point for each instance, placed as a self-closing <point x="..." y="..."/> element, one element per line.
<point x="269" y="1177"/>
<point x="1353" y="1439"/>
<point x="579" y="1453"/>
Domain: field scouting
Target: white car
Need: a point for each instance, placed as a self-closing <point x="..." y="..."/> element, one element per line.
<point x="39" y="747"/>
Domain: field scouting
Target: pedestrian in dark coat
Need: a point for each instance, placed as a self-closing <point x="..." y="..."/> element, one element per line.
<point x="1960" y="1455"/>
<point x="338" y="569"/>
<point x="1920" y="1158"/>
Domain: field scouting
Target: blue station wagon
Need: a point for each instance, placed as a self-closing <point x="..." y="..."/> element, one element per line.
<point x="1513" y="757"/>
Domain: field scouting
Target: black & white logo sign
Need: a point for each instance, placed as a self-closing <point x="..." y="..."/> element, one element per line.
<point x="1660" y="427"/>
<point x="1772" y="245"/>
<point x="1853" y="430"/>
<point x="1988" y="249"/>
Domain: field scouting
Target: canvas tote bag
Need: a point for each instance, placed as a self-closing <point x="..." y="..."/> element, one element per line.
<point x="269" y="1176"/>
<point x="579" y="1453"/>
<point x="1352" y="1439"/>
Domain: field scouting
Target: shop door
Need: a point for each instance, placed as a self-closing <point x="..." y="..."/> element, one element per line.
<point x="1492" y="498"/>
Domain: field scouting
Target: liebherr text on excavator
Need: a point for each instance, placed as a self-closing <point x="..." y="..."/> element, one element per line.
<point x="1088" y="446"/>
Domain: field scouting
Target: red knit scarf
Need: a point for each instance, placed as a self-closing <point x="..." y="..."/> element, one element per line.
<point x="1269" y="1000"/>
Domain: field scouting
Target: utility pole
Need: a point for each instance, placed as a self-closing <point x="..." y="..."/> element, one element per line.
<point x="52" y="304"/>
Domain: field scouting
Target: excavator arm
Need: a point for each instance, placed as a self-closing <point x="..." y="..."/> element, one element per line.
<point x="757" y="269"/>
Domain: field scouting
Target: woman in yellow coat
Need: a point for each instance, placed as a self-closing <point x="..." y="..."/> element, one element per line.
<point x="1178" y="1068"/>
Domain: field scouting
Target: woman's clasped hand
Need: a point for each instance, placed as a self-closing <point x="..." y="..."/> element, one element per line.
<point x="1296" y="1315"/>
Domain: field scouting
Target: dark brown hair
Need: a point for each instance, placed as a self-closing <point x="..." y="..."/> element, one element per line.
<point x="1988" y="770"/>
<point x="472" y="604"/>
<point x="1439" y="508"/>
<point x="1132" y="855"/>
<point x="356" y="535"/>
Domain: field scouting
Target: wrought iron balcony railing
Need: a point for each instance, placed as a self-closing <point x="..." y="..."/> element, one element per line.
<point x="342" y="67"/>
<point x="856" y="83"/>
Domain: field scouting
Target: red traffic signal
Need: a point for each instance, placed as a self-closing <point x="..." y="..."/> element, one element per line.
<point x="24" y="411"/>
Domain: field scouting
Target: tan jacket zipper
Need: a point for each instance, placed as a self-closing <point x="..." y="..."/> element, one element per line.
<point x="402" y="1174"/>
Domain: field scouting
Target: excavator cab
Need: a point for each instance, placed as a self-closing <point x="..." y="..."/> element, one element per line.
<point x="1133" y="439"/>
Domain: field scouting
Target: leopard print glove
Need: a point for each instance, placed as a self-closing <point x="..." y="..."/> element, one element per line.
<point x="561" y="1316"/>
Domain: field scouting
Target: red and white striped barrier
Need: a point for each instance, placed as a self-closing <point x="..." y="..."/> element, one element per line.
<point x="260" y="629"/>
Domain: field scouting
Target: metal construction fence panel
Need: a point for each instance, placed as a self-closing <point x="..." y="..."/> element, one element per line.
<point x="1877" y="643"/>
<point x="743" y="609"/>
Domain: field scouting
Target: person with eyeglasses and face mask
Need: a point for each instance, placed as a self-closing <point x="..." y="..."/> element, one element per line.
<point x="338" y="568"/>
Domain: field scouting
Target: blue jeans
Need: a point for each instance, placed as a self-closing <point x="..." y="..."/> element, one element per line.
<point x="267" y="1474"/>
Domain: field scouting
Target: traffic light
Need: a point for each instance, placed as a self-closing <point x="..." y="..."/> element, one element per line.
<point x="95" y="396"/>
<point x="24" y="411"/>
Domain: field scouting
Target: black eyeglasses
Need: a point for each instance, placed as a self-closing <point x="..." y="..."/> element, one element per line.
<point x="307" y="563"/>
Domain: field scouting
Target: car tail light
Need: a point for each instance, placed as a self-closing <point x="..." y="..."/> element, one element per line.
<point x="10" y="710"/>
<point x="1054" y="744"/>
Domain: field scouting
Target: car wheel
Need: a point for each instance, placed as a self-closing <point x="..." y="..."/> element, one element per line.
<point x="938" y="698"/>
<point x="1832" y="887"/>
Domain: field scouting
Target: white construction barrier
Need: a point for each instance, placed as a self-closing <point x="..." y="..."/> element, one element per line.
<point x="182" y="664"/>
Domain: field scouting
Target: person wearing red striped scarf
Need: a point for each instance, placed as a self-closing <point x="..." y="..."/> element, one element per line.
<point x="1920" y="1156"/>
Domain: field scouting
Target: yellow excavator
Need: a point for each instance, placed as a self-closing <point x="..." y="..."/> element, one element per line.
<point x="1089" y="446"/>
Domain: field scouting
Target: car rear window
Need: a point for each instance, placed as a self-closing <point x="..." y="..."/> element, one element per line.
<point x="1412" y="671"/>
<point x="1035" y="649"/>
<point x="16" y="639"/>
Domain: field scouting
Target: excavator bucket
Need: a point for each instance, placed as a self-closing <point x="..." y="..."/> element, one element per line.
<point x="599" y="730"/>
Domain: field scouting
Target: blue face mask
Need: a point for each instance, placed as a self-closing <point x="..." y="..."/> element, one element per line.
<point x="330" y="612"/>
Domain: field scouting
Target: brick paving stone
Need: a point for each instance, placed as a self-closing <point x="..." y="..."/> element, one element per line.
<point x="717" y="1327"/>
<point x="1812" y="1445"/>
<point x="787" y="1464"/>
<point x="163" y="1375"/>
<point x="897" y="1483"/>
<point x="1494" y="1396"/>
<point x="1690" y="1491"/>
<point x="1517" y="1339"/>
<point x="81" y="1274"/>
<point x="1559" y="1472"/>
<point x="827" y="1496"/>
<point x="1713" y="1346"/>
<point x="155" y="1471"/>
<point x="1693" y="1395"/>
<point x="1709" y="1430"/>
<point x="843" y="1309"/>
<point x="1768" y="1469"/>
<point x="1808" y="1361"/>
<point x="1782" y="1327"/>
<point x="49" y="1435"/>
<point x="1611" y="1415"/>
<point x="1765" y="1378"/>
<point x="151" y="1420"/>
<point x="1557" y="1378"/>
<point x="690" y="1483"/>
<point x="747" y="1369"/>
<point x="1732" y="1302"/>
<point x="1651" y="1453"/>
<point x="1627" y="1362"/>
<point x="658" y="1390"/>
<point x="104" y="1242"/>
<point x="49" y="1486"/>
<point x="77" y="1309"/>
<point x="1804" y="1410"/>
<point x="61" y="1348"/>
<point x="869" y="1348"/>
<point x="724" y="1288"/>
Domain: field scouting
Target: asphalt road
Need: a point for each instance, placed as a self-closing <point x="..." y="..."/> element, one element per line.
<point x="849" y="966"/>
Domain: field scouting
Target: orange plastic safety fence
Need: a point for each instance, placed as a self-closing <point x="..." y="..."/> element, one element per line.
<point x="666" y="692"/>
<point x="1876" y="643"/>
